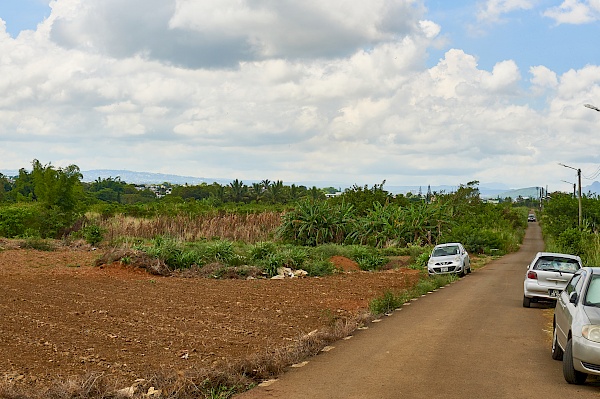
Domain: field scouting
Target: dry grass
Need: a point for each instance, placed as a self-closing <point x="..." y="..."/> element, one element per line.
<point x="221" y="381"/>
<point x="249" y="228"/>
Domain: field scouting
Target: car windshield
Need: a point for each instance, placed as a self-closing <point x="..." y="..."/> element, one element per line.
<point x="557" y="264"/>
<point x="592" y="296"/>
<point x="445" y="251"/>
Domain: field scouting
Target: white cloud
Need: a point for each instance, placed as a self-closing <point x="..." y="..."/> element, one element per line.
<point x="355" y="103"/>
<point x="575" y="12"/>
<point x="543" y="77"/>
<point x="492" y="11"/>
<point x="221" y="33"/>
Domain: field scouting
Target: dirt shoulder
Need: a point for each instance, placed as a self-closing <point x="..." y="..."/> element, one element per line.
<point x="62" y="317"/>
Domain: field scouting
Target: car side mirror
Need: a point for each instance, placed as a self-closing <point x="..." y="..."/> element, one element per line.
<point x="573" y="298"/>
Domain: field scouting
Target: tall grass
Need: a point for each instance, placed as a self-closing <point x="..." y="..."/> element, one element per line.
<point x="249" y="228"/>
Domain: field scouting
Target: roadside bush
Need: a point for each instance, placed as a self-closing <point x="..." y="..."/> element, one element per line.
<point x="573" y="241"/>
<point x="476" y="240"/>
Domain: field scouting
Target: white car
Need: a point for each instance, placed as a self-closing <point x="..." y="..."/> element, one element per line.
<point x="547" y="275"/>
<point x="449" y="258"/>
<point x="576" y="332"/>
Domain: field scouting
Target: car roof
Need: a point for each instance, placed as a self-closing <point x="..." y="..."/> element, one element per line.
<point x="448" y="244"/>
<point x="593" y="269"/>
<point x="540" y="254"/>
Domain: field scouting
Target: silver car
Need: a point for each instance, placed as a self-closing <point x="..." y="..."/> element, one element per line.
<point x="449" y="258"/>
<point x="547" y="275"/>
<point x="576" y="332"/>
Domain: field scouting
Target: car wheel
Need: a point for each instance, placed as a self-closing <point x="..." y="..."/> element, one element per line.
<point x="571" y="375"/>
<point x="469" y="270"/>
<point x="526" y="302"/>
<point x="557" y="352"/>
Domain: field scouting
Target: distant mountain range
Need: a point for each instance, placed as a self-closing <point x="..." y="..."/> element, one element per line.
<point x="487" y="190"/>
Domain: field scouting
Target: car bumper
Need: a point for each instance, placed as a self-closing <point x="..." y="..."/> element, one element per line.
<point x="447" y="269"/>
<point x="586" y="355"/>
<point x="531" y="289"/>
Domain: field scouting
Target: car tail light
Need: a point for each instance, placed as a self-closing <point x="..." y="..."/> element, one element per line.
<point x="532" y="275"/>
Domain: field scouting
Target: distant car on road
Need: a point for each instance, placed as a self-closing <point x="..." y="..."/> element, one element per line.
<point x="547" y="275"/>
<point x="576" y="332"/>
<point x="449" y="258"/>
<point x="531" y="218"/>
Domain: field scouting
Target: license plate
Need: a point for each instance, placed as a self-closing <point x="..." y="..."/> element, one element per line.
<point x="444" y="269"/>
<point x="554" y="293"/>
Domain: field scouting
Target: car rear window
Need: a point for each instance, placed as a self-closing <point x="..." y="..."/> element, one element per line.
<point x="557" y="264"/>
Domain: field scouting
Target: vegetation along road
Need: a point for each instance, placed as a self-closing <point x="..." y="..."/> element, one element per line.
<point x="472" y="339"/>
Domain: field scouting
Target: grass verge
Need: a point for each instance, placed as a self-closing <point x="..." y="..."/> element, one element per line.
<point x="391" y="300"/>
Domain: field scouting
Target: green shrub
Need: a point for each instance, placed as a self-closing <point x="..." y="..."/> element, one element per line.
<point x="220" y="251"/>
<point x="319" y="268"/>
<point x="262" y="250"/>
<point x="420" y="261"/>
<point x="573" y="241"/>
<point x="368" y="258"/>
<point x="271" y="263"/>
<point x="93" y="234"/>
<point x="371" y="261"/>
<point x="386" y="303"/>
<point x="17" y="220"/>
<point x="315" y="223"/>
<point x="328" y="250"/>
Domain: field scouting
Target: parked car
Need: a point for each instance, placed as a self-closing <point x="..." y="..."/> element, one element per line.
<point x="547" y="275"/>
<point x="531" y="218"/>
<point x="449" y="258"/>
<point x="576" y="332"/>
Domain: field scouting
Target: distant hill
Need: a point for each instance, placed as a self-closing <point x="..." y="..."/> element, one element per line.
<point x="529" y="192"/>
<point x="145" y="177"/>
<point x="486" y="190"/>
<point x="594" y="188"/>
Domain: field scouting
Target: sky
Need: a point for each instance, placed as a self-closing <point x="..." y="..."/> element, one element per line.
<point x="340" y="91"/>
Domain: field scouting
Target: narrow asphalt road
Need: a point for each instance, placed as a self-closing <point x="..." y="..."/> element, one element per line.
<point x="472" y="339"/>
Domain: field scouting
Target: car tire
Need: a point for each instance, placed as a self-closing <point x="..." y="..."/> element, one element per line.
<point x="469" y="269"/>
<point x="571" y="375"/>
<point x="526" y="302"/>
<point x="557" y="352"/>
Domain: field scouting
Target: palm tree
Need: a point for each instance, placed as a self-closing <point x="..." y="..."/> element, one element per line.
<point x="237" y="190"/>
<point x="257" y="191"/>
<point x="275" y="191"/>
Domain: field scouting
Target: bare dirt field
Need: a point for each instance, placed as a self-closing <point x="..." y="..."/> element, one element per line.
<point x="62" y="317"/>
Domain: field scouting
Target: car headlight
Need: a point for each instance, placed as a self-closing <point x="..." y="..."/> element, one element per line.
<point x="591" y="332"/>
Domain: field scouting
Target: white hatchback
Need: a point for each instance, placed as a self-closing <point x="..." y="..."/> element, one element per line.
<point x="547" y="275"/>
<point x="449" y="258"/>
